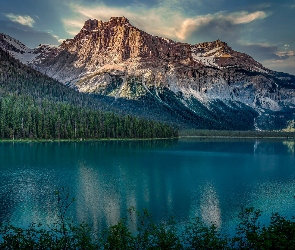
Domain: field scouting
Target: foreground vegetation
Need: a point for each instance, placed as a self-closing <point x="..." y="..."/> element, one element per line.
<point x="249" y="234"/>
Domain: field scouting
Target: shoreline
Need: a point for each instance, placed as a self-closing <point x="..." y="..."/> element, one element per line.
<point x="238" y="137"/>
<point x="149" y="139"/>
<point x="238" y="134"/>
<point x="86" y="140"/>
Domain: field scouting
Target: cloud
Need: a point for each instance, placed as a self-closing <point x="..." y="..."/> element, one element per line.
<point x="287" y="65"/>
<point x="286" y="54"/>
<point x="270" y="56"/>
<point x="219" y="25"/>
<point x="73" y="26"/>
<point x="245" y="17"/>
<point x="23" y="20"/>
<point x="60" y="40"/>
<point x="260" y="51"/>
<point x="27" y="35"/>
<point x="140" y="16"/>
<point x="166" y="19"/>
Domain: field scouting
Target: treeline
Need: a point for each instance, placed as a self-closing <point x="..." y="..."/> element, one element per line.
<point x="22" y="117"/>
<point x="237" y="134"/>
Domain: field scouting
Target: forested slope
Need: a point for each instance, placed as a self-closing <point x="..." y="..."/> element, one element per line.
<point x="35" y="106"/>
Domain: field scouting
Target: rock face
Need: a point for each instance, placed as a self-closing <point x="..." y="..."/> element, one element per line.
<point x="206" y="85"/>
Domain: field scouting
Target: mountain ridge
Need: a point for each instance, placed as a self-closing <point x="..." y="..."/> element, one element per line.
<point x="117" y="60"/>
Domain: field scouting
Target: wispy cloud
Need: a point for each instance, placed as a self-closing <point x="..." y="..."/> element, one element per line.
<point x="286" y="54"/>
<point x="261" y="51"/>
<point x="217" y="23"/>
<point x="245" y="17"/>
<point x="60" y="40"/>
<point x="28" y="35"/>
<point x="140" y="16"/>
<point x="287" y="65"/>
<point x="267" y="53"/>
<point x="23" y="20"/>
<point x="162" y="20"/>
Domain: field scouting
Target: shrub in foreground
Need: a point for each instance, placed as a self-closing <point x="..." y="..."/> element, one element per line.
<point x="249" y="234"/>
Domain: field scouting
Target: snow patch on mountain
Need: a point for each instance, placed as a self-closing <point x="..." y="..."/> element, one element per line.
<point x="23" y="53"/>
<point x="204" y="58"/>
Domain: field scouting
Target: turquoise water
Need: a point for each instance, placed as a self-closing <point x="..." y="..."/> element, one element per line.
<point x="185" y="178"/>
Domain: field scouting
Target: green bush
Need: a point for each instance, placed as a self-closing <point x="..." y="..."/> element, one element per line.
<point x="249" y="234"/>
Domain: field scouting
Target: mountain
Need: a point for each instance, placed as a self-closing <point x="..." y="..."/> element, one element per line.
<point x="35" y="106"/>
<point x="206" y="85"/>
<point x="19" y="79"/>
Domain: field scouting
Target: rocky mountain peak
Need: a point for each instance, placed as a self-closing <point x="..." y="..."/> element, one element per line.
<point x="118" y="21"/>
<point x="116" y="41"/>
<point x="117" y="44"/>
<point x="95" y="25"/>
<point x="91" y="24"/>
<point x="219" y="43"/>
<point x="216" y="47"/>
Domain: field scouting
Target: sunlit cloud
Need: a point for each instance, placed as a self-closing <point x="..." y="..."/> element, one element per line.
<point x="142" y="18"/>
<point x="163" y="20"/>
<point x="60" y="40"/>
<point x="23" y="20"/>
<point x="219" y="22"/>
<point x="245" y="17"/>
<point x="286" y="53"/>
<point x="73" y="26"/>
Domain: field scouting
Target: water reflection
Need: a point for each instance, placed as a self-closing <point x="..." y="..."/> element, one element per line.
<point x="186" y="178"/>
<point x="209" y="205"/>
<point x="88" y="204"/>
<point x="256" y="146"/>
<point x="274" y="196"/>
<point x="26" y="196"/>
<point x="290" y="145"/>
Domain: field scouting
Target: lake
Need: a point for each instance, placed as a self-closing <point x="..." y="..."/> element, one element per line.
<point x="209" y="178"/>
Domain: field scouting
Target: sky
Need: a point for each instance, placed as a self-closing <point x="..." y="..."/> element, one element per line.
<point x="264" y="29"/>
